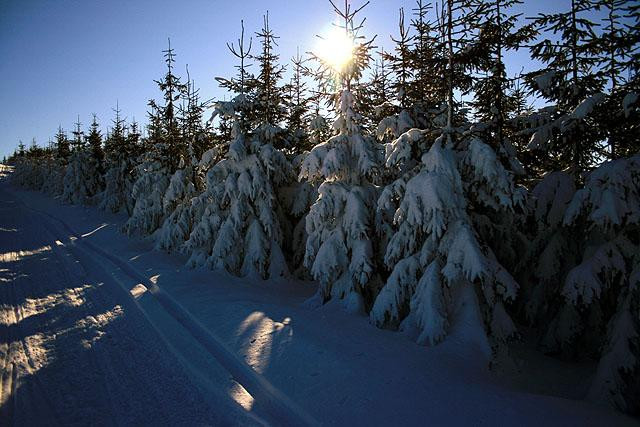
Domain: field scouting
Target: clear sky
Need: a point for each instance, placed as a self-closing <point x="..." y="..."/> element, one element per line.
<point x="61" y="58"/>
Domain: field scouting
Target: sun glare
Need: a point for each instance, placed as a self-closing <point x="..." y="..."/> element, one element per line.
<point x="335" y="48"/>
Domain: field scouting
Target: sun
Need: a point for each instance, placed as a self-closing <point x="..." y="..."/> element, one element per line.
<point x="335" y="48"/>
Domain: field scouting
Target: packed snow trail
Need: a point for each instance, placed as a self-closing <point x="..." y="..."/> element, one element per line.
<point x="76" y="349"/>
<point x="281" y="409"/>
<point x="86" y="351"/>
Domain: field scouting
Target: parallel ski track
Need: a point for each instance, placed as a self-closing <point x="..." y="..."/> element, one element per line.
<point x="280" y="408"/>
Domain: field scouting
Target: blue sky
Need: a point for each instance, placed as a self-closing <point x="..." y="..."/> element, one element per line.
<point x="68" y="57"/>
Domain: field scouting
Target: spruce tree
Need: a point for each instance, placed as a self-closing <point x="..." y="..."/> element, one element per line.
<point x="400" y="117"/>
<point x="194" y="131"/>
<point x="452" y="206"/>
<point x="165" y="150"/>
<point x="426" y="56"/>
<point x="113" y="141"/>
<point x="381" y="88"/>
<point x="173" y="146"/>
<point x="240" y="84"/>
<point x="187" y="181"/>
<point x="569" y="135"/>
<point x="400" y="62"/>
<point x="268" y="112"/>
<point x="21" y="149"/>
<point x="617" y="48"/>
<point x="80" y="179"/>
<point x="96" y="158"/>
<point x="240" y="221"/>
<point x="24" y="170"/>
<point x="121" y="153"/>
<point x="498" y="35"/>
<point x="402" y="69"/>
<point x="60" y="154"/>
<point x="296" y="101"/>
<point x="63" y="150"/>
<point x="583" y="292"/>
<point x="339" y="247"/>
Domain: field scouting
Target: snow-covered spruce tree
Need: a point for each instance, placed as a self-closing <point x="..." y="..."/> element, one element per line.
<point x="22" y="165"/>
<point x="445" y="243"/>
<point x="595" y="310"/>
<point x="152" y="179"/>
<point x="319" y="127"/>
<point x="121" y="152"/>
<point x="197" y="135"/>
<point x="555" y="250"/>
<point x="552" y="250"/>
<point x="31" y="166"/>
<point x="522" y="111"/>
<point x="185" y="200"/>
<point x="163" y="152"/>
<point x="303" y="193"/>
<point x="54" y="182"/>
<point x="221" y="134"/>
<point x="233" y="122"/>
<point x="50" y="170"/>
<point x="95" y="180"/>
<point x="176" y="202"/>
<point x="179" y="201"/>
<point x="174" y="143"/>
<point x="298" y="198"/>
<point x="63" y="150"/>
<point x="340" y="228"/>
<point x="240" y="228"/>
<point x="44" y="165"/>
<point x="303" y="126"/>
<point x="38" y="158"/>
<point x="418" y="64"/>
<point x="80" y="177"/>
<point x="443" y="254"/>
<point x="39" y="168"/>
<point x="496" y="107"/>
<point x="428" y="112"/>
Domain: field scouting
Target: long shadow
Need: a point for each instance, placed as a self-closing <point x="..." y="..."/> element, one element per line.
<point x="13" y="276"/>
<point x="56" y="380"/>
<point x="48" y="331"/>
<point x="93" y="360"/>
<point x="260" y="333"/>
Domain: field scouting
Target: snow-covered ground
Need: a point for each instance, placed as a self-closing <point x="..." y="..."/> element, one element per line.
<point x="97" y="328"/>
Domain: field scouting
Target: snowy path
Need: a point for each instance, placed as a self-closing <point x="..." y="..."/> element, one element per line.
<point x="97" y="328"/>
<point x="76" y="348"/>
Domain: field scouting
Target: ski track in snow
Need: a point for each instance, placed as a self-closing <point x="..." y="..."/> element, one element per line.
<point x="281" y="409"/>
<point x="76" y="352"/>
<point x="87" y="338"/>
